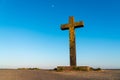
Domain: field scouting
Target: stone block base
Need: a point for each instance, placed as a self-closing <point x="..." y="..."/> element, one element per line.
<point x="73" y="68"/>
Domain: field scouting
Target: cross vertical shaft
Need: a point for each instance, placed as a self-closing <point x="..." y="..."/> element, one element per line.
<point x="71" y="26"/>
<point x="72" y="42"/>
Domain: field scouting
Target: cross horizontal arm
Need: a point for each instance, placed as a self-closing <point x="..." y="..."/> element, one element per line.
<point x="65" y="26"/>
<point x="78" y="24"/>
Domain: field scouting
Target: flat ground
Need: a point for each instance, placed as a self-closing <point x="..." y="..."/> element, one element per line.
<point x="52" y="75"/>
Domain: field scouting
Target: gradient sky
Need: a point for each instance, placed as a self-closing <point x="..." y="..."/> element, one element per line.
<point x="30" y="34"/>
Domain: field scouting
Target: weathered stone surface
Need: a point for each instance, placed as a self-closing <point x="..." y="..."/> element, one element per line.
<point x="71" y="26"/>
<point x="73" y="68"/>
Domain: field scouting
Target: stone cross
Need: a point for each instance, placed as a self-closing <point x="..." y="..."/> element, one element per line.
<point x="71" y="26"/>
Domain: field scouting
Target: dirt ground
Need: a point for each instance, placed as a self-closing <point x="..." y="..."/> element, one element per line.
<point x="53" y="75"/>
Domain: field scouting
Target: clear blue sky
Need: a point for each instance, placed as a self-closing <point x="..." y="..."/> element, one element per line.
<point x="30" y="34"/>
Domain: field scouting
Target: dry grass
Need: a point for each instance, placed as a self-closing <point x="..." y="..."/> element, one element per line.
<point x="52" y="75"/>
<point x="95" y="75"/>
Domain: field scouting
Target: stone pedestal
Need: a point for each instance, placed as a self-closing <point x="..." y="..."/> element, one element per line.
<point x="73" y="68"/>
